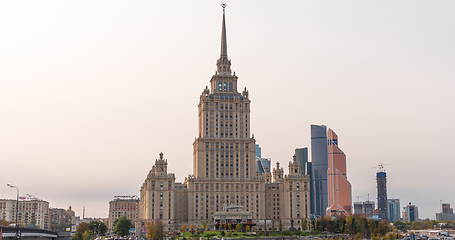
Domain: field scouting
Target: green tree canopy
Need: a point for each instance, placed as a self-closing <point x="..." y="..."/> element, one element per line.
<point x="98" y="228"/>
<point x="122" y="226"/>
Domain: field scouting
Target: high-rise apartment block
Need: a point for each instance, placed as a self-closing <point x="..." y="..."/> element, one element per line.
<point x="393" y="210"/>
<point x="225" y="176"/>
<point x="32" y="212"/>
<point x="339" y="188"/>
<point x="123" y="206"/>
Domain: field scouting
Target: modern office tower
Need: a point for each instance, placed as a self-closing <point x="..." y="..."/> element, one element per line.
<point x="123" y="206"/>
<point x="309" y="172"/>
<point x="301" y="155"/>
<point x="319" y="159"/>
<point x="410" y="213"/>
<point x="225" y="174"/>
<point x="446" y="214"/>
<point x="393" y="210"/>
<point x="258" y="151"/>
<point x="381" y="180"/>
<point x="263" y="164"/>
<point x="339" y="188"/>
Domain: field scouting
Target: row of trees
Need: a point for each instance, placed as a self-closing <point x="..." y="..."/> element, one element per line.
<point x="89" y="231"/>
<point x="426" y="224"/>
<point x="349" y="225"/>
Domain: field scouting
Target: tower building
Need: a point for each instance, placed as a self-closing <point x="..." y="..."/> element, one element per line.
<point x="225" y="180"/>
<point x="319" y="159"/>
<point x="410" y="213"/>
<point x="381" y="180"/>
<point x="301" y="155"/>
<point x="393" y="210"/>
<point x="339" y="188"/>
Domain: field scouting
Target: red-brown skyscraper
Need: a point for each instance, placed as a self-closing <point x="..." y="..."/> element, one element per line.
<point x="339" y="188"/>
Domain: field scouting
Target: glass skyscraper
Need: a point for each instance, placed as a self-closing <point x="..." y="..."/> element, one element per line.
<point x="319" y="159"/>
<point x="393" y="210"/>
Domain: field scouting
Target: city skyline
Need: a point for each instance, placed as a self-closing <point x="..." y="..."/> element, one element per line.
<point x="85" y="117"/>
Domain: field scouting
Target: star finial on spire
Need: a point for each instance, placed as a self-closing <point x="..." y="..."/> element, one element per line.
<point x="223" y="34"/>
<point x="223" y="63"/>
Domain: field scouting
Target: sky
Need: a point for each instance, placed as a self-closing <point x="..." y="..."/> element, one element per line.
<point x="92" y="91"/>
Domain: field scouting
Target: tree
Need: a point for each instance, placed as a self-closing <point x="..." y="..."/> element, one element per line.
<point x="4" y="223"/>
<point x="122" y="226"/>
<point x="304" y="223"/>
<point x="88" y="231"/>
<point x="82" y="228"/>
<point x="155" y="230"/>
<point x="87" y="235"/>
<point x="238" y="228"/>
<point x="401" y="226"/>
<point x="183" y="228"/>
<point x="204" y="226"/>
<point x="97" y="228"/>
<point x="191" y="228"/>
<point x="247" y="228"/>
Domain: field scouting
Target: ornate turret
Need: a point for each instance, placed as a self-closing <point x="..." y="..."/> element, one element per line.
<point x="160" y="167"/>
<point x="294" y="167"/>
<point x="278" y="173"/>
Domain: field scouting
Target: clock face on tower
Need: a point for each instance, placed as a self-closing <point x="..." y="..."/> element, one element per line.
<point x="224" y="86"/>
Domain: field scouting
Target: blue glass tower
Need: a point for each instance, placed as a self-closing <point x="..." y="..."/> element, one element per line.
<point x="319" y="159"/>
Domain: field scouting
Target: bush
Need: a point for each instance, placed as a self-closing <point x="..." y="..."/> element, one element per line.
<point x="209" y="234"/>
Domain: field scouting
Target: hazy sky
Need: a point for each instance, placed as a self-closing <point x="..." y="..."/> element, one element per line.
<point x="92" y="91"/>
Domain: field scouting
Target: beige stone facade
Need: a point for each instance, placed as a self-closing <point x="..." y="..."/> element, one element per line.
<point x="61" y="219"/>
<point x="123" y="206"/>
<point x="224" y="168"/>
<point x="32" y="212"/>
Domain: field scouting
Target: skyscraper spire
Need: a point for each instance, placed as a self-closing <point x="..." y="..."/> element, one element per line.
<point x="223" y="35"/>
<point x="223" y="64"/>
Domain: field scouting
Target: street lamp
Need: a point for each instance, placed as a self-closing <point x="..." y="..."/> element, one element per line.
<point x="17" y="208"/>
